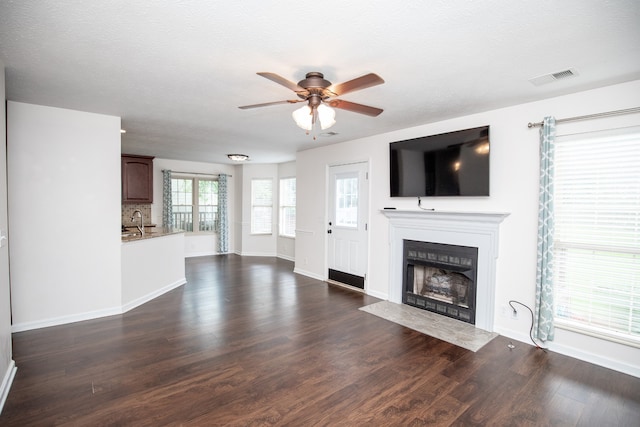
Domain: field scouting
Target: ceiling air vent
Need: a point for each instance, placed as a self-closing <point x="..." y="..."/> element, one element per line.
<point x="549" y="78"/>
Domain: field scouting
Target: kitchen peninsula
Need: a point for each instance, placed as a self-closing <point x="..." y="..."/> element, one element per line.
<point x="152" y="265"/>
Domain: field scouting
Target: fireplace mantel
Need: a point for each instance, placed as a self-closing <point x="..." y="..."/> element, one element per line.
<point x="474" y="229"/>
<point x="460" y="216"/>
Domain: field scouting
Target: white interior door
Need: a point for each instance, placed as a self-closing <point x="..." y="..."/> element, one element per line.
<point x="347" y="223"/>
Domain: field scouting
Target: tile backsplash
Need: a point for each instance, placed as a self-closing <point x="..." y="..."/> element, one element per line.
<point x="127" y="212"/>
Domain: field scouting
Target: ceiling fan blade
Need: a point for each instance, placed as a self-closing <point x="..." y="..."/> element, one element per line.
<point x="356" y="108"/>
<point x="361" y="82"/>
<point x="281" y="80"/>
<point x="267" y="104"/>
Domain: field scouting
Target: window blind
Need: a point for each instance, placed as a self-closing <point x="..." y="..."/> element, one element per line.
<point x="261" y="206"/>
<point x="597" y="234"/>
<point x="288" y="207"/>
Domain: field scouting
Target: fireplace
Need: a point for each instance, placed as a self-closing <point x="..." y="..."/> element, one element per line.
<point x="440" y="278"/>
<point x="466" y="229"/>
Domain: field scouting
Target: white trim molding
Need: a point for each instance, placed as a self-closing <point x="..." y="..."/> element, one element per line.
<point x="6" y="383"/>
<point x="63" y="320"/>
<point x="472" y="229"/>
<point x="309" y="274"/>
<point x="130" y="305"/>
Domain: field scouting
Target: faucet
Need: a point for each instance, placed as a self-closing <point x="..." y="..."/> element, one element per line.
<point x="133" y="218"/>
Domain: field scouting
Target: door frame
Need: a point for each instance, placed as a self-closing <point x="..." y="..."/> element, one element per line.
<point x="327" y="204"/>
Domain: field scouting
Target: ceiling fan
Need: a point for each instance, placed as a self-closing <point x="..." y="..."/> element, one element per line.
<point x="318" y="93"/>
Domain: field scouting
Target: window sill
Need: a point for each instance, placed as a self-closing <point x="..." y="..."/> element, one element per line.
<point x="597" y="333"/>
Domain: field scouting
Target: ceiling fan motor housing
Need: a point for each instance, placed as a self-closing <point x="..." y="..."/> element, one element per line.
<point x="315" y="86"/>
<point x="314" y="80"/>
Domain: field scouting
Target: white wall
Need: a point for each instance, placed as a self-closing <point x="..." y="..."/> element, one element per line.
<point x="286" y="245"/>
<point x="235" y="221"/>
<point x="7" y="365"/>
<point x="195" y="244"/>
<point x="514" y="185"/>
<point x="64" y="210"/>
<point x="263" y="244"/>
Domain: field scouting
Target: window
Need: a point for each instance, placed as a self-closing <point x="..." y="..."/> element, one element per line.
<point x="597" y="234"/>
<point x="347" y="201"/>
<point x="189" y="204"/>
<point x="261" y="206"/>
<point x="288" y="207"/>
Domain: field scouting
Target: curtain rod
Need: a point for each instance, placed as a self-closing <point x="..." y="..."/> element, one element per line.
<point x="198" y="173"/>
<point x="590" y="116"/>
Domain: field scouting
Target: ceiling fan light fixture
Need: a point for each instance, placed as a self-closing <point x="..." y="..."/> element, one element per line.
<point x="317" y="92"/>
<point x="238" y="157"/>
<point x="303" y="117"/>
<point x="327" y="116"/>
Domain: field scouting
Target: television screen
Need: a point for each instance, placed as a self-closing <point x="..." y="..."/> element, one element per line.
<point x="448" y="164"/>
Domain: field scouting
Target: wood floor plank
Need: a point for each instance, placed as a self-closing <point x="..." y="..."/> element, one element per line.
<point x="247" y="342"/>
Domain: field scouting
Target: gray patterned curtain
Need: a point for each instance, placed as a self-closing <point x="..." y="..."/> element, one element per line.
<point x="543" y="313"/>
<point x="167" y="205"/>
<point x="223" y="220"/>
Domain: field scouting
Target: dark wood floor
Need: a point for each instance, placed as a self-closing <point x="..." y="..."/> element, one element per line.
<point x="247" y="342"/>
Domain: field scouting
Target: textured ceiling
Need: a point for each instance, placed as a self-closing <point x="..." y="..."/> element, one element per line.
<point x="176" y="71"/>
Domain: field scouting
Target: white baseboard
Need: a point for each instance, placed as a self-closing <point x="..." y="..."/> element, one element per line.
<point x="198" y="254"/>
<point x="308" y="274"/>
<point x="62" y="320"/>
<point x="155" y="294"/>
<point x="45" y="323"/>
<point x="576" y="353"/>
<point x="382" y="295"/>
<point x="262" y="254"/>
<point x="596" y="359"/>
<point x="516" y="336"/>
<point x="6" y="383"/>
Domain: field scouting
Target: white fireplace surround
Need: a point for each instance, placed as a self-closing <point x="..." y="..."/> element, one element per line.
<point x="473" y="229"/>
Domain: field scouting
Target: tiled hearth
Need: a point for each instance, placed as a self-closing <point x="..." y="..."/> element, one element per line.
<point x="472" y="229"/>
<point x="441" y="327"/>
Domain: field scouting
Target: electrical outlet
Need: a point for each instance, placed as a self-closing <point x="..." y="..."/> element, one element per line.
<point x="504" y="311"/>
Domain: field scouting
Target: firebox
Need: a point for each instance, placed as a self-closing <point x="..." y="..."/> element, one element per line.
<point x="440" y="278"/>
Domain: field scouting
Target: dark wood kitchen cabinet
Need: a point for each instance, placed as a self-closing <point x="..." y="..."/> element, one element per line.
<point x="137" y="179"/>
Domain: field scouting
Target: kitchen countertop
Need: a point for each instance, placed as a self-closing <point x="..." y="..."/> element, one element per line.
<point x="130" y="236"/>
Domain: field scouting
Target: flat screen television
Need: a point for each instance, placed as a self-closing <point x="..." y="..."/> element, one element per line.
<point x="448" y="164"/>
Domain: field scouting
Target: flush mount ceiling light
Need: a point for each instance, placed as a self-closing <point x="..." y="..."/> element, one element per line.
<point x="318" y="93"/>
<point x="238" y="157"/>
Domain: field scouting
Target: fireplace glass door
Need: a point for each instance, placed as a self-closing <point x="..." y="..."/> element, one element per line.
<point x="441" y="278"/>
